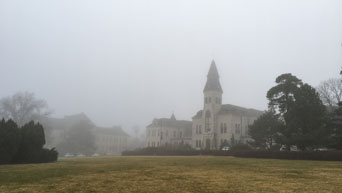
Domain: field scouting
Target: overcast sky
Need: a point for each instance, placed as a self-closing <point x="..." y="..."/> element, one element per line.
<point x="127" y="62"/>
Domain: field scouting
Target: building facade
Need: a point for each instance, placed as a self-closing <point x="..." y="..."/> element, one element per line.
<point x="164" y="132"/>
<point x="220" y="124"/>
<point x="214" y="126"/>
<point x="108" y="141"/>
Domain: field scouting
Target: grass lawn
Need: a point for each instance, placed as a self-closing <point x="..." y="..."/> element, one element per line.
<point x="172" y="174"/>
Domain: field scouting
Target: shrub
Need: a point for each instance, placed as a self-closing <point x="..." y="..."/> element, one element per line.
<point x="24" y="145"/>
<point x="9" y="140"/>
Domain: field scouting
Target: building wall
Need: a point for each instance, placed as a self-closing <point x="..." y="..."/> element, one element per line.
<point x="110" y="144"/>
<point x="160" y="136"/>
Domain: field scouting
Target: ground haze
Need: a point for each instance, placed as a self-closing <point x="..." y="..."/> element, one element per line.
<point x="172" y="174"/>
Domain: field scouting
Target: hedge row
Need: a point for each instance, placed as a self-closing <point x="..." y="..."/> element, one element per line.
<point x="290" y="155"/>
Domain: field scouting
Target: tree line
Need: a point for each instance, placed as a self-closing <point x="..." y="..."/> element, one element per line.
<point x="24" y="144"/>
<point x="300" y="116"/>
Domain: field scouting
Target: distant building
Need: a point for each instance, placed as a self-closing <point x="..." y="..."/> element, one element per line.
<point x="162" y="132"/>
<point x="212" y="127"/>
<point x="108" y="141"/>
<point x="217" y="124"/>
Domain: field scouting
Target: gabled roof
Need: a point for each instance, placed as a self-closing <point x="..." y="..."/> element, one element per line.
<point x="213" y="82"/>
<point x="198" y="115"/>
<point x="165" y="122"/>
<point x="232" y="109"/>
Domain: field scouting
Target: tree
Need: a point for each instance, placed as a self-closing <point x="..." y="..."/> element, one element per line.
<point x="330" y="92"/>
<point x="281" y="96"/>
<point x="24" y="145"/>
<point x="334" y="124"/>
<point x="9" y="140"/>
<point x="264" y="130"/>
<point x="23" y="107"/>
<point x="281" y="99"/>
<point x="31" y="143"/>
<point x="300" y="109"/>
<point x="79" y="139"/>
<point x="306" y="118"/>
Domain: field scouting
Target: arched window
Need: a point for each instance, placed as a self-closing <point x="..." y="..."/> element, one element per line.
<point x="207" y="121"/>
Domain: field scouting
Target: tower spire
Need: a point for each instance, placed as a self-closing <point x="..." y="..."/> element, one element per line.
<point x="213" y="82"/>
<point x="173" y="117"/>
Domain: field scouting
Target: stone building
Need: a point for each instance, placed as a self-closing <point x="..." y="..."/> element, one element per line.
<point x="217" y="124"/>
<point x="108" y="141"/>
<point x="164" y="131"/>
<point x="213" y="126"/>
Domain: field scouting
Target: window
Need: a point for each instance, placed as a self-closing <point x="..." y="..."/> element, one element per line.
<point x="180" y="134"/>
<point x="207" y="121"/>
<point x="209" y="99"/>
<point x="199" y="143"/>
<point x="167" y="133"/>
<point x="217" y="100"/>
<point x="221" y="126"/>
<point x="196" y="143"/>
<point x="206" y="100"/>
<point x="174" y="133"/>
<point x="200" y="129"/>
<point x="225" y="127"/>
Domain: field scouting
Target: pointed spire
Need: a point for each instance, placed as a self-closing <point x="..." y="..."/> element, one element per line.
<point x="173" y="117"/>
<point x="213" y="73"/>
<point x="213" y="82"/>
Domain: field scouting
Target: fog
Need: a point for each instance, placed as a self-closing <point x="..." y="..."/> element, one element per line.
<point x="127" y="62"/>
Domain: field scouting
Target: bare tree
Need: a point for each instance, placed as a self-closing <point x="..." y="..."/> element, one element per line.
<point x="23" y="107"/>
<point x="330" y="91"/>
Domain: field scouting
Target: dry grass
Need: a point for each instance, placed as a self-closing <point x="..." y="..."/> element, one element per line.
<point x="173" y="174"/>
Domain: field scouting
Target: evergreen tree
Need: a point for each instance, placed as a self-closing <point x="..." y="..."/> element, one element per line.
<point x="300" y="109"/>
<point x="306" y="118"/>
<point x="264" y="130"/>
<point x="9" y="140"/>
<point x="31" y="144"/>
<point x="334" y="124"/>
<point x="281" y="100"/>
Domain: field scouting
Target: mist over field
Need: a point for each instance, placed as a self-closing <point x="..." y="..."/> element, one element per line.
<point x="127" y="62"/>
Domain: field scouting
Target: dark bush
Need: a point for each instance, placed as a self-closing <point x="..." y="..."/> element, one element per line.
<point x="24" y="145"/>
<point x="290" y="155"/>
<point x="48" y="155"/>
<point x="240" y="147"/>
<point x="9" y="140"/>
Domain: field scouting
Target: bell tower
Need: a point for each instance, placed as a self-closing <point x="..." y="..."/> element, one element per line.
<point x="212" y="104"/>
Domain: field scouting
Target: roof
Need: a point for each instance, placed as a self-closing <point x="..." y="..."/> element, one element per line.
<point x="198" y="115"/>
<point x="111" y="131"/>
<point x="233" y="109"/>
<point x="213" y="82"/>
<point x="165" y="122"/>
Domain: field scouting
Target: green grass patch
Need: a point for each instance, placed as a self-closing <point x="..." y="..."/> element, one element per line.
<point x="173" y="174"/>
